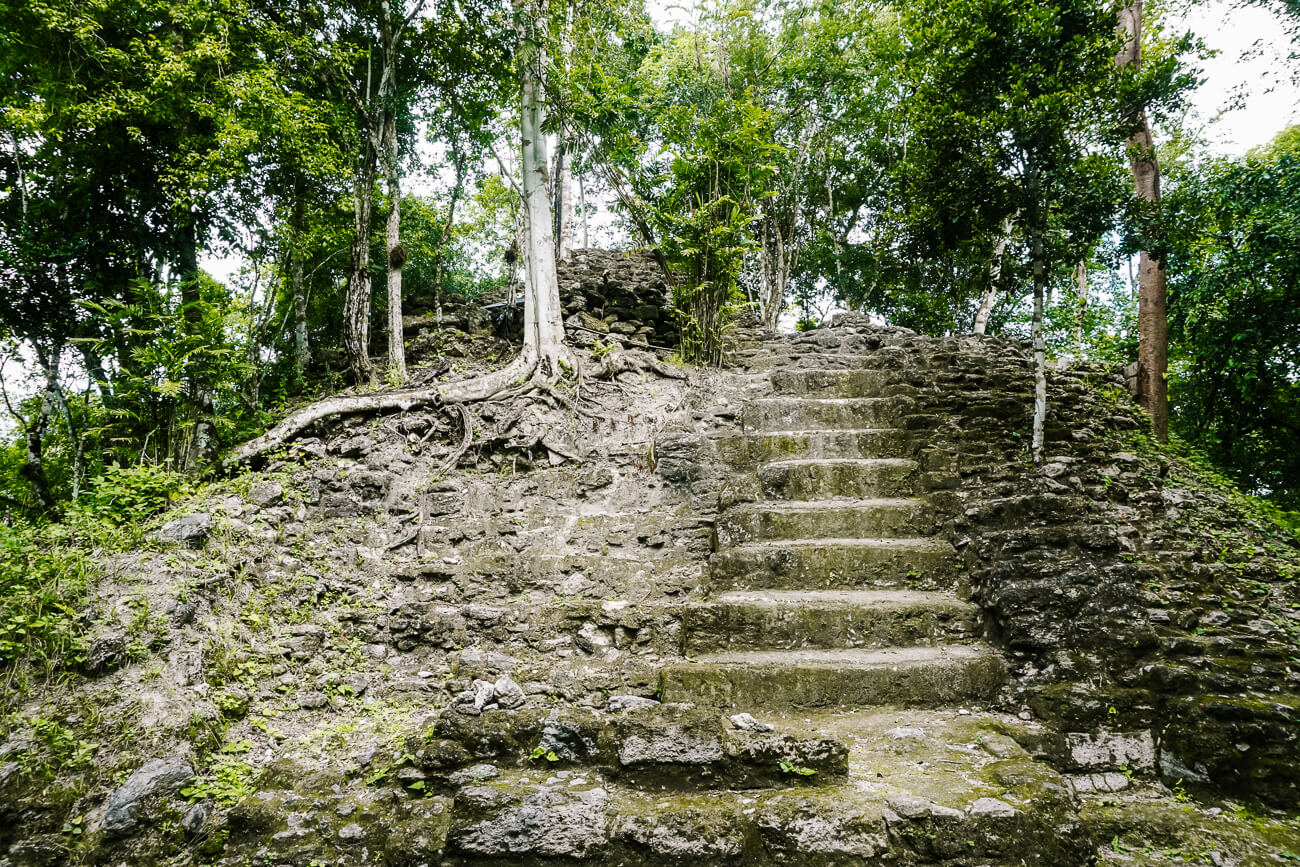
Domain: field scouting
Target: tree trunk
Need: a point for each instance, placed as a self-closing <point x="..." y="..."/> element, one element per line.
<point x="187" y="269"/>
<point x="444" y="236"/>
<point x="396" y="253"/>
<point x="196" y="432"/>
<point x="1081" y="280"/>
<point x="301" y="349"/>
<point x="564" y="200"/>
<point x="78" y="442"/>
<point x="995" y="274"/>
<point x="33" y="468"/>
<point x="582" y="206"/>
<point x="775" y="259"/>
<point x="1038" y="255"/>
<point x="356" y="307"/>
<point x="1153" y="324"/>
<point x="543" y="332"/>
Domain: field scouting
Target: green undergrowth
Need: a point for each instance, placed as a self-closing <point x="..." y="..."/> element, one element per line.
<point x="49" y="568"/>
<point x="1192" y="468"/>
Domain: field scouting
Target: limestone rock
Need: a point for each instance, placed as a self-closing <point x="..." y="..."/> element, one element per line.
<point x="746" y="723"/>
<point x="266" y="494"/>
<point x="618" y="703"/>
<point x="155" y="777"/>
<point x="190" y="530"/>
<point x="669" y="735"/>
<point x="504" y="820"/>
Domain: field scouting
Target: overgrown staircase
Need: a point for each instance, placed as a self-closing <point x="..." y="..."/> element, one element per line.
<point x="831" y="590"/>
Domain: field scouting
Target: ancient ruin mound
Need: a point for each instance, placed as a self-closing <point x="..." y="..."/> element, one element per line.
<point x="816" y="608"/>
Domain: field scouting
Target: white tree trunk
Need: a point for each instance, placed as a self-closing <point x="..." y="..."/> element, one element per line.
<point x="543" y="332"/>
<point x="1040" y="349"/>
<point x="564" y="195"/>
<point x="995" y="274"/>
<point x="582" y="205"/>
<point x="396" y="253"/>
<point x="1081" y="279"/>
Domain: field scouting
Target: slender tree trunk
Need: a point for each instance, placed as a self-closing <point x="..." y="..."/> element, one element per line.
<point x="995" y="274"/>
<point x="444" y="236"/>
<point x="301" y="349"/>
<point x="78" y="442"/>
<point x="781" y="262"/>
<point x="356" y="307"/>
<point x="543" y="332"/>
<point x="1153" y="323"/>
<point x="195" y="435"/>
<point x="33" y="468"/>
<point x="95" y="370"/>
<point x="187" y="269"/>
<point x="1038" y="255"/>
<point x="582" y="205"/>
<point x="396" y="252"/>
<point x="561" y="203"/>
<point x="1081" y="280"/>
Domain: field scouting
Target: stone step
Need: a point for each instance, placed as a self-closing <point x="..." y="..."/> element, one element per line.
<point x="830" y="382"/>
<point x="923" y="787"/>
<point x="765" y="359"/>
<point x="849" y="518"/>
<point x="821" y="413"/>
<point x="789" y="620"/>
<point x="880" y="442"/>
<point x="825" y="478"/>
<point x="908" y="676"/>
<point x="823" y="564"/>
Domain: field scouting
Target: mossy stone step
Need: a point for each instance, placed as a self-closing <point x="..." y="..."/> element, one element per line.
<point x="907" y="676"/>
<point x="822" y="413"/>
<point x="788" y="620"/>
<point x="822" y="478"/>
<point x="923" y="787"/>
<point x="767" y="358"/>
<point x="844" y="382"/>
<point x="880" y="442"/>
<point x="820" y="519"/>
<point x="811" y="564"/>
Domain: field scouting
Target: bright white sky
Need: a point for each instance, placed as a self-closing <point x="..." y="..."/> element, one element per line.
<point x="1251" y="66"/>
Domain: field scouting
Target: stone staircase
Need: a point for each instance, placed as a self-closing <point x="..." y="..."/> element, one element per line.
<point x="831" y="589"/>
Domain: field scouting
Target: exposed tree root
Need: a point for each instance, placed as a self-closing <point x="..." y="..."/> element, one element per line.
<point x="464" y="391"/>
<point x="467" y="436"/>
<point x="621" y="361"/>
<point x="524" y="373"/>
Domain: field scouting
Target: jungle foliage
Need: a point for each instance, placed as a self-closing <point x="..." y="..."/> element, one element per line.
<point x="921" y="162"/>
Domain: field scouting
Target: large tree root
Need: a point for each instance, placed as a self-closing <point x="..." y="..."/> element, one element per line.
<point x="464" y="391"/>
<point x="621" y="361"/>
<point x="523" y="372"/>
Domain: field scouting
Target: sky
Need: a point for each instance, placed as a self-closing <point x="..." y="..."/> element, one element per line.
<point x="1251" y="64"/>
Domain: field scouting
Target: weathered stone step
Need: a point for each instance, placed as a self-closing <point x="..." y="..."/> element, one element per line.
<point x="822" y="413"/>
<point x="824" y="478"/>
<point x="788" y="620"/>
<point x="820" y="519"/>
<point x="880" y="442"/>
<point x="808" y="564"/>
<point x="827" y="382"/>
<point x="923" y="787"/>
<point x="910" y="676"/>
<point x="765" y="358"/>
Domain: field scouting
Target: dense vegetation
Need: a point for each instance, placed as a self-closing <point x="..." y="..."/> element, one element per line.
<point x="948" y="165"/>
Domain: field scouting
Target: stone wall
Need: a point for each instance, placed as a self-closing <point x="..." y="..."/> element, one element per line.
<point x="616" y="295"/>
